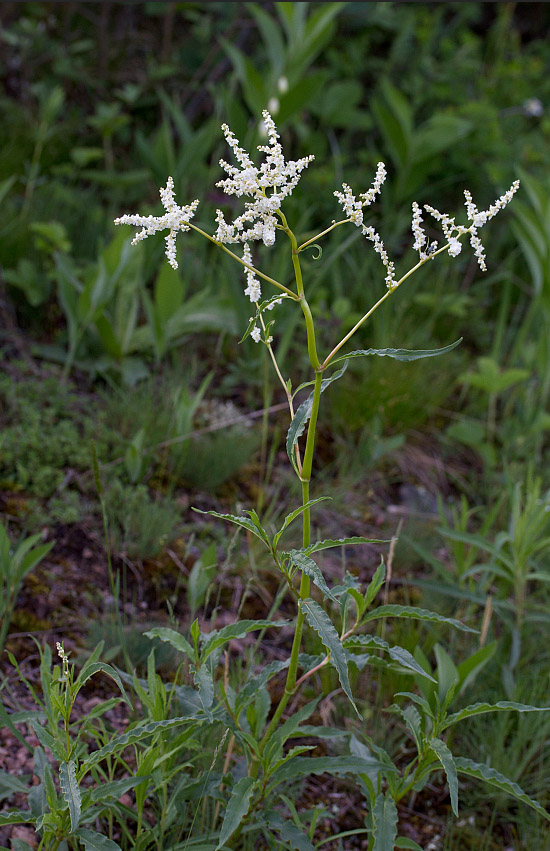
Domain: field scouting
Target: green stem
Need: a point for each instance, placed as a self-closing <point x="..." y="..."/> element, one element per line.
<point x="244" y="263"/>
<point x="305" y="584"/>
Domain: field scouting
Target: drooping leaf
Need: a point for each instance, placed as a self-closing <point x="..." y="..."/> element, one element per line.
<point x="174" y="638"/>
<point x="115" y="789"/>
<point x="237" y="808"/>
<point x="400" y="354"/>
<point x="71" y="792"/>
<point x="446" y="759"/>
<point x="499" y="781"/>
<point x="310" y="568"/>
<point x="90" y="669"/>
<point x="243" y="522"/>
<point x="398" y="654"/>
<point x="482" y="708"/>
<point x="395" y="611"/>
<point x="303" y="414"/>
<point x="384" y="823"/>
<point x="318" y="620"/>
<point x="239" y="629"/>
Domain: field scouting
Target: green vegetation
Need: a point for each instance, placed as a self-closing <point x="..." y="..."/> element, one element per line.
<point x="163" y="734"/>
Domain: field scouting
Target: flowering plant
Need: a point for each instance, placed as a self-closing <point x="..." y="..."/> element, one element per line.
<point x="342" y="622"/>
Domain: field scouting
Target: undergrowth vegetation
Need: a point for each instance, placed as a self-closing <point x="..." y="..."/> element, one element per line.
<point x="198" y="651"/>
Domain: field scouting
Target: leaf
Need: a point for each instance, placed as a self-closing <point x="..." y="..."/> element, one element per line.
<point x="243" y="522"/>
<point x="174" y="638"/>
<point x="115" y="789"/>
<point x="384" y="823"/>
<point x="321" y="623"/>
<point x="341" y="542"/>
<point x="237" y="808"/>
<point x="71" y="792"/>
<point x="396" y="611"/>
<point x="398" y="654"/>
<point x="374" y="586"/>
<point x="481" y="708"/>
<point x="303" y="414"/>
<point x="405" y="842"/>
<point x="218" y="638"/>
<point x="498" y="780"/>
<point x="307" y="565"/>
<point x="89" y="670"/>
<point x="400" y="354"/>
<point x="289" y="832"/>
<point x="338" y="766"/>
<point x="117" y="744"/>
<point x="96" y="841"/>
<point x="446" y="759"/>
<point x="293" y="515"/>
<point x="17" y="817"/>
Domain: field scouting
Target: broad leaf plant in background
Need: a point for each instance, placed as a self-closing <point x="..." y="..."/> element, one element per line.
<point x="246" y="805"/>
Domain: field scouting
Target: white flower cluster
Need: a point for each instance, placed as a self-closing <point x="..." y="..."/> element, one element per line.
<point x="478" y="218"/>
<point x="258" y="221"/>
<point x="175" y="218"/>
<point x="354" y="210"/>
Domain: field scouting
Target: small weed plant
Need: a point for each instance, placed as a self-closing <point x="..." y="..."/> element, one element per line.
<point x="218" y="756"/>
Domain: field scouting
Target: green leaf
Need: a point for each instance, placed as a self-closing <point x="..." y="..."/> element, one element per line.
<point x="237" y="808"/>
<point x="243" y="522"/>
<point x="114" y="790"/>
<point x="289" y="832"/>
<point x="307" y="565"/>
<point x="338" y="766"/>
<point x="341" y="542"/>
<point x="446" y="759"/>
<point x="482" y="708"/>
<point x="218" y="638"/>
<point x="400" y="354"/>
<point x="303" y="414"/>
<point x="293" y="515"/>
<point x="384" y="823"/>
<point x="89" y="670"/>
<point x="318" y="620"/>
<point x="71" y="792"/>
<point x="96" y="841"/>
<point x="398" y="654"/>
<point x="374" y="585"/>
<point x="117" y="744"/>
<point x="405" y="842"/>
<point x="499" y="781"/>
<point x="17" y="817"/>
<point x="174" y="638"/>
<point x="396" y="611"/>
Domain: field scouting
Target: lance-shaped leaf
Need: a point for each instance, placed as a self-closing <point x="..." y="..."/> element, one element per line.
<point x="398" y="654"/>
<point x="131" y="737"/>
<point x="446" y="759"/>
<point x="218" y="638"/>
<point x="172" y="637"/>
<point x="318" y="620"/>
<point x="17" y="817"/>
<point x="237" y="808"/>
<point x="499" y="781"/>
<point x="243" y="522"/>
<point x="303" y="414"/>
<point x="89" y="670"/>
<point x="341" y="542"/>
<point x="294" y="514"/>
<point x="384" y="817"/>
<point x="482" y="708"/>
<point x="338" y="766"/>
<point x="71" y="792"/>
<point x="307" y="565"/>
<point x="396" y="611"/>
<point x="400" y="354"/>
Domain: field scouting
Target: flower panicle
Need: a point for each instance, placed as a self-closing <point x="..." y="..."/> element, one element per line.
<point x="175" y="218"/>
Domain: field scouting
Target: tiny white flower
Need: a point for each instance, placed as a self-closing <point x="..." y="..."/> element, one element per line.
<point x="256" y="334"/>
<point x="175" y="219"/>
<point x="455" y="246"/>
<point x="253" y="289"/>
<point x="533" y="107"/>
